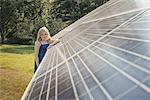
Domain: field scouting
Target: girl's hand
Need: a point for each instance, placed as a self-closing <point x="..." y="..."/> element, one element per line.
<point x="49" y="46"/>
<point x="54" y="42"/>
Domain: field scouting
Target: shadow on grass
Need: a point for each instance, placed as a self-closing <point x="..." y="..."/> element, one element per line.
<point x="18" y="49"/>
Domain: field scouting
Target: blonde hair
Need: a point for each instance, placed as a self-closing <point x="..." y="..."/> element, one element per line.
<point x="40" y="30"/>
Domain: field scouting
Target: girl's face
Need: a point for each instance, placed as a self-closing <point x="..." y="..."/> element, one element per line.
<point x="43" y="35"/>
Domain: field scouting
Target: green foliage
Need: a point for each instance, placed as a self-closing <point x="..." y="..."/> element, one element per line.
<point x="21" y="19"/>
<point x="17" y="49"/>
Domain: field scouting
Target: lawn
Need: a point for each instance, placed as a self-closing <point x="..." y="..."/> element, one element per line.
<point x="16" y="70"/>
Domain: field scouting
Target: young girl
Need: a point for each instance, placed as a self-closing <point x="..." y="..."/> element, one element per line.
<point x="43" y="42"/>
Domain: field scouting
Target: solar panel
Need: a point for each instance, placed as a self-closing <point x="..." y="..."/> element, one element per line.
<point x="103" y="56"/>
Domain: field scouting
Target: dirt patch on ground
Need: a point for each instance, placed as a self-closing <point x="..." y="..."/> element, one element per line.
<point x="12" y="84"/>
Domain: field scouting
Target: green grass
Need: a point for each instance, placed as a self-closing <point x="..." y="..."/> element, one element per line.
<point x="16" y="70"/>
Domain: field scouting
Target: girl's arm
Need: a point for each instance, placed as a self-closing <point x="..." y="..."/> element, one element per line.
<point x="53" y="42"/>
<point x="36" y="51"/>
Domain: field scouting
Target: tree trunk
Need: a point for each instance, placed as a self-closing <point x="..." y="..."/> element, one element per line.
<point x="2" y="38"/>
<point x="1" y="33"/>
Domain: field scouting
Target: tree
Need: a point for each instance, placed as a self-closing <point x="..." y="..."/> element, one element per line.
<point x="21" y="19"/>
<point x="7" y="16"/>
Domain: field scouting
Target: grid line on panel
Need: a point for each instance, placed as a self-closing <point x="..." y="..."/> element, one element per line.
<point x="52" y="65"/>
<point x="137" y="22"/>
<point x="29" y="95"/>
<point x="126" y="12"/>
<point x="112" y="31"/>
<point x="127" y="51"/>
<point x="145" y="29"/>
<point x="81" y="32"/>
<point x="33" y="84"/>
<point x="74" y="88"/>
<point x="129" y="90"/>
<point x="124" y="50"/>
<point x="35" y="98"/>
<point x="55" y="53"/>
<point x="63" y="43"/>
<point x="134" y="39"/>
<point x="118" y="73"/>
<point x="121" y="37"/>
<point x="64" y="56"/>
<point x="45" y="78"/>
<point x="31" y="90"/>
<point x="128" y="33"/>
<point x="147" y="14"/>
<point x="124" y="60"/>
<point x="121" y="25"/>
<point x="55" y="57"/>
<point x="50" y="60"/>
<point x="102" y="9"/>
<point x="71" y="78"/>
<point x="92" y="25"/>
<point x="42" y="88"/>
<point x="122" y="72"/>
<point x="140" y="18"/>
<point x="85" y="85"/>
<point x="50" y="76"/>
<point x="94" y="77"/>
<point x="44" y="60"/>
<point x="64" y="90"/>
<point x="49" y="83"/>
<point x="51" y="69"/>
<point x="43" y="82"/>
<point x="56" y="81"/>
<point x="147" y="78"/>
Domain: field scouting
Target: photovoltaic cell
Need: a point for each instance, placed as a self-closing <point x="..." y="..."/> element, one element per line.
<point x="103" y="56"/>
